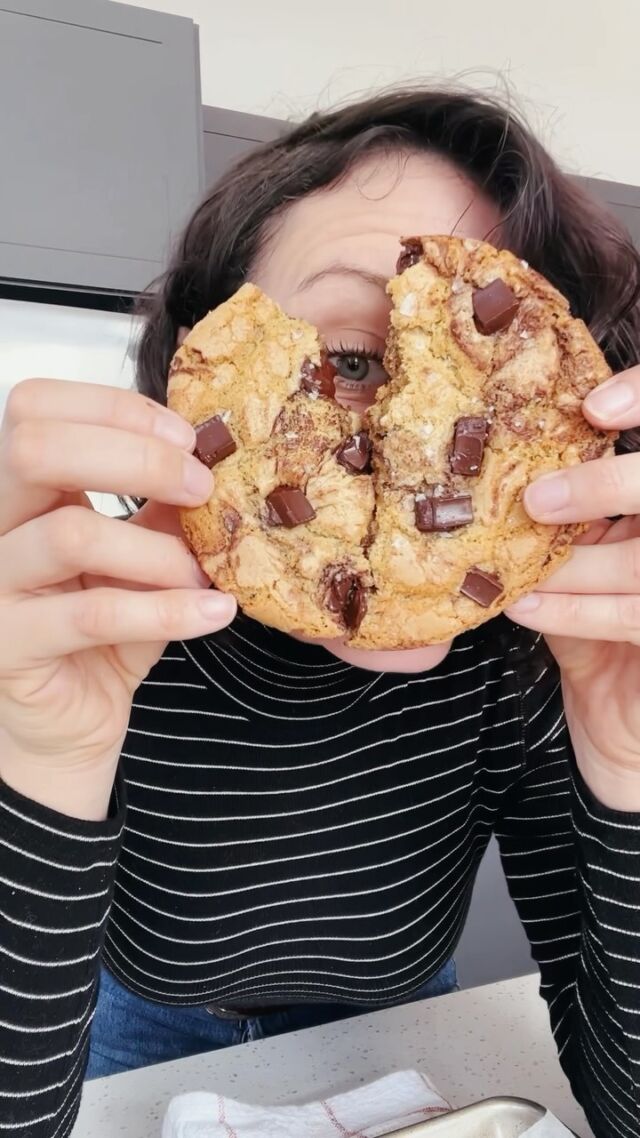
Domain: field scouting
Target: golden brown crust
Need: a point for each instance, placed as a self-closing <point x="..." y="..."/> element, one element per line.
<point x="244" y="362"/>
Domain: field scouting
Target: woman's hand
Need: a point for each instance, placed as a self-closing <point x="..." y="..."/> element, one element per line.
<point x="589" y="610"/>
<point x="87" y="603"/>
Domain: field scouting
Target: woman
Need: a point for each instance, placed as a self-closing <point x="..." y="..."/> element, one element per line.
<point x="305" y="821"/>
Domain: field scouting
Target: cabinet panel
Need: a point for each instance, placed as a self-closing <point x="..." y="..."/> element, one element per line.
<point x="623" y="200"/>
<point x="228" y="135"/>
<point x="105" y="141"/>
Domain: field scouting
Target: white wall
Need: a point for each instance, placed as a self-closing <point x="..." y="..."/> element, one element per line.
<point x="575" y="62"/>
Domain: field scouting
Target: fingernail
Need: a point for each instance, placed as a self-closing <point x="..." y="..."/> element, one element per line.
<point x="196" y="479"/>
<point x="217" y="606"/>
<point x="525" y="604"/>
<point x="548" y="494"/>
<point x="174" y="430"/>
<point x="610" y="399"/>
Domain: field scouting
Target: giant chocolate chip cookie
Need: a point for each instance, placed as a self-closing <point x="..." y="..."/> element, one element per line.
<point x="406" y="527"/>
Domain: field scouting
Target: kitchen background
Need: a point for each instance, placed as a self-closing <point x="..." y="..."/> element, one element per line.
<point x="91" y="193"/>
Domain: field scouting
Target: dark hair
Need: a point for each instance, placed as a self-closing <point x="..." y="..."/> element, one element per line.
<point x="549" y="220"/>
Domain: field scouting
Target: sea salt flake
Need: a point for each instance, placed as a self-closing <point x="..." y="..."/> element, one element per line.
<point x="457" y="285"/>
<point x="525" y="264"/>
<point x="297" y="334"/>
<point x="524" y="335"/>
<point x="224" y="415"/>
<point x="409" y="304"/>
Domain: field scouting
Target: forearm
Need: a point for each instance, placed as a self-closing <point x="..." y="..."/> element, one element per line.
<point x="573" y="866"/>
<point x="603" y="1055"/>
<point x="55" y="892"/>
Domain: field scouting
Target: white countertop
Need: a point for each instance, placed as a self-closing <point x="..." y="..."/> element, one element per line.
<point x="494" y="1040"/>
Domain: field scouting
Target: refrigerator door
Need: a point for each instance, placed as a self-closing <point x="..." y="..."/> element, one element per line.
<point x="57" y="342"/>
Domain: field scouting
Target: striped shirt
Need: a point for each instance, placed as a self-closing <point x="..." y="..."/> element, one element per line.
<point x="297" y="830"/>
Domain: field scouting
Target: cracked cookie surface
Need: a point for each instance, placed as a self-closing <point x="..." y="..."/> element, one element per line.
<point x="404" y="527"/>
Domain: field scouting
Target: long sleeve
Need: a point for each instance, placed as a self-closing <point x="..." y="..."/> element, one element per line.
<point x="573" y="870"/>
<point x="56" y="880"/>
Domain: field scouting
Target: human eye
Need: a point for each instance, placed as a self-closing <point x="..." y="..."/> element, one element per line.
<point x="357" y="367"/>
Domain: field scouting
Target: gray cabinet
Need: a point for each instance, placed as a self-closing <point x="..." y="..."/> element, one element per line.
<point x="101" y="141"/>
<point x="621" y="199"/>
<point x="230" y="134"/>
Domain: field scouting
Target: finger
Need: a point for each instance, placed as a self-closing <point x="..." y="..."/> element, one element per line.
<point x="73" y="540"/>
<point x="603" y="488"/>
<point x="46" y="627"/>
<point x="606" y="530"/>
<point x="595" y="532"/>
<point x="602" y="617"/>
<point x="159" y="517"/>
<point x="35" y="400"/>
<point x="615" y="404"/>
<point x="63" y="456"/>
<point x="74" y="402"/>
<point x="621" y="530"/>
<point x="598" y="569"/>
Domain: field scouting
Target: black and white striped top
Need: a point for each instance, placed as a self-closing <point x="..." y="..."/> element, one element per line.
<point x="300" y="830"/>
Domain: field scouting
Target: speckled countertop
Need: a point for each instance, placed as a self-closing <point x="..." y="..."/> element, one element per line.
<point x="493" y="1040"/>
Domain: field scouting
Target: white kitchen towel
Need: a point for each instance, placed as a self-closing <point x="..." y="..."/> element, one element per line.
<point x="397" y="1100"/>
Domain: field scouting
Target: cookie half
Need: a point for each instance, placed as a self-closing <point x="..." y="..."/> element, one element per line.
<point x="406" y="527"/>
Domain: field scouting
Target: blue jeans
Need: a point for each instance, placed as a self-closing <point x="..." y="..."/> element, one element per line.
<point x="129" y="1031"/>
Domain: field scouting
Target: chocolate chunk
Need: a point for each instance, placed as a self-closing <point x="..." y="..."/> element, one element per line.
<point x="629" y="441"/>
<point x="355" y="454"/>
<point x="319" y="378"/>
<point x="494" y="307"/>
<point x="468" y="445"/>
<point x="410" y="255"/>
<point x="231" y="520"/>
<point x="445" y="512"/>
<point x="346" y="595"/>
<point x="287" y="506"/>
<point x="355" y="606"/>
<point x="340" y="582"/>
<point x="481" y="587"/>
<point x="214" y="441"/>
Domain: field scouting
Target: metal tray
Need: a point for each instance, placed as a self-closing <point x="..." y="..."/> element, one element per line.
<point x="493" y="1118"/>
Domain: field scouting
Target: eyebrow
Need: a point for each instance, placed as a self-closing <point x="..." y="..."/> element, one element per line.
<point x="342" y="270"/>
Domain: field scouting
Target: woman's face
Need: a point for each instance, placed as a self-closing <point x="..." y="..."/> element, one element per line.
<point x="328" y="261"/>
